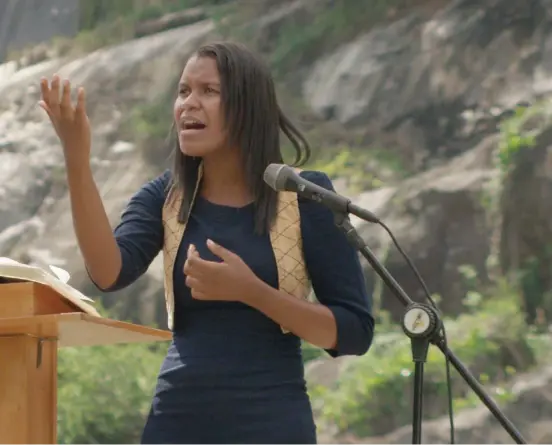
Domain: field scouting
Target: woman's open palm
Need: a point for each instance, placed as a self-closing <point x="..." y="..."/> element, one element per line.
<point x="70" y="122"/>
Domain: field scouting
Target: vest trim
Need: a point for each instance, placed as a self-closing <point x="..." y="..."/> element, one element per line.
<point x="285" y="239"/>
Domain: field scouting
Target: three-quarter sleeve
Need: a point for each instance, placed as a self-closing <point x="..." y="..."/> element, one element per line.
<point x="139" y="234"/>
<point x="336" y="273"/>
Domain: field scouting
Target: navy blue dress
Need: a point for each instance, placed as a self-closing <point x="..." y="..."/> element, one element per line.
<point x="230" y="374"/>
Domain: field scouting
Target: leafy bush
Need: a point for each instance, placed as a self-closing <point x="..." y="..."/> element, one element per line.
<point x="104" y="392"/>
<point x="338" y="22"/>
<point x="363" y="168"/>
<point x="311" y="352"/>
<point x="373" y="394"/>
<point x="515" y="136"/>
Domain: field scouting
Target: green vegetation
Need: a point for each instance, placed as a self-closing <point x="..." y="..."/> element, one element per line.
<point x="95" y="13"/>
<point x="104" y="392"/>
<point x="374" y="393"/>
<point x="106" y="22"/>
<point x="519" y="132"/>
<point x="363" y="168"/>
<point x="149" y="126"/>
<point x="299" y="43"/>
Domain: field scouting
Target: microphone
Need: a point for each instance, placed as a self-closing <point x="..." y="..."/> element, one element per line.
<point x="282" y="177"/>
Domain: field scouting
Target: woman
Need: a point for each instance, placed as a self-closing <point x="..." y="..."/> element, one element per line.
<point x="233" y="372"/>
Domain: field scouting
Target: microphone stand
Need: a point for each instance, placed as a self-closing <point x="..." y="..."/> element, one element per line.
<point x="421" y="323"/>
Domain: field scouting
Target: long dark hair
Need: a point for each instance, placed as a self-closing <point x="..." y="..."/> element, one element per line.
<point x="253" y="119"/>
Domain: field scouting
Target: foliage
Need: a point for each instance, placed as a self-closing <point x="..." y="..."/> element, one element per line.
<point x="374" y="394"/>
<point x="149" y="126"/>
<point x="94" y="13"/>
<point x="311" y="352"/>
<point x="104" y="392"/>
<point x="362" y="168"/>
<point x="519" y="132"/>
<point x="106" y="22"/>
<point x="151" y="120"/>
<point x="338" y="22"/>
<point x="532" y="278"/>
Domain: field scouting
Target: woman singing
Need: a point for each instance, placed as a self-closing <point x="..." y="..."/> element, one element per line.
<point x="238" y="263"/>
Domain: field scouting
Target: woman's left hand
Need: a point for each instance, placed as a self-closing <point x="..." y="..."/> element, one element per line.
<point x="230" y="280"/>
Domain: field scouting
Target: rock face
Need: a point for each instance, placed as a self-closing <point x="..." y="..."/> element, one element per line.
<point x="412" y="78"/>
<point x="35" y="221"/>
<point x="417" y="78"/>
<point x="439" y="219"/>
<point x="431" y="86"/>
<point x="27" y="22"/>
<point x="526" y="230"/>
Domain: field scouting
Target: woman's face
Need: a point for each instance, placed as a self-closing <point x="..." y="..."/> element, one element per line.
<point x="198" y="110"/>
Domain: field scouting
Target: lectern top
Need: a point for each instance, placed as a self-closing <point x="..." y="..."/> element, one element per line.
<point x="79" y="329"/>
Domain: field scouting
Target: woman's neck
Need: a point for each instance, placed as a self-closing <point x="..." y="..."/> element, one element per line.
<point x="224" y="181"/>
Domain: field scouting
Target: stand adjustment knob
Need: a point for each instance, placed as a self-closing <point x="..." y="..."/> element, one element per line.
<point x="419" y="321"/>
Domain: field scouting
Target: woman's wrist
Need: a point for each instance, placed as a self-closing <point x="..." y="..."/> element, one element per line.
<point x="254" y="290"/>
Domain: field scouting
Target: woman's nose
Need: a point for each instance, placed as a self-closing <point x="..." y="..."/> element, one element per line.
<point x="190" y="102"/>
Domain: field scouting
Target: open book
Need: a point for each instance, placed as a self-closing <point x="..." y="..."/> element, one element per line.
<point x="57" y="280"/>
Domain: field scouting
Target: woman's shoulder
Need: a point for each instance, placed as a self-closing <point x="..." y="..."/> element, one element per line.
<point x="159" y="185"/>
<point x="154" y="191"/>
<point x="317" y="177"/>
<point x="312" y="212"/>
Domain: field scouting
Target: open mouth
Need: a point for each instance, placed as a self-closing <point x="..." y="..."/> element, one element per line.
<point x="190" y="124"/>
<point x="193" y="126"/>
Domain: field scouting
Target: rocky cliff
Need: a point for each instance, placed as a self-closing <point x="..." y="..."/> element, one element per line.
<point x="24" y="23"/>
<point x="35" y="215"/>
<point x="433" y="84"/>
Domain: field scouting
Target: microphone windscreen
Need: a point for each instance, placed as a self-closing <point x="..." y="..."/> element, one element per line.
<point x="275" y="176"/>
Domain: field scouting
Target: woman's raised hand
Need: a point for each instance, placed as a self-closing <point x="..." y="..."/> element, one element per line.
<point x="70" y="122"/>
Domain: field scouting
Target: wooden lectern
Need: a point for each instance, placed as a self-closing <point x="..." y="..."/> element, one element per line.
<point x="34" y="321"/>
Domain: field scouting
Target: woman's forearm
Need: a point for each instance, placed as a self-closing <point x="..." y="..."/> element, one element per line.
<point x="92" y="228"/>
<point x="312" y="322"/>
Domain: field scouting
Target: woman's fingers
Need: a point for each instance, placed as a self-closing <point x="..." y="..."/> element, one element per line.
<point x="65" y="104"/>
<point x="81" y="103"/>
<point x="53" y="119"/>
<point x="56" y="98"/>
<point x="45" y="107"/>
<point x="53" y="101"/>
<point x="56" y="101"/>
<point x="45" y="90"/>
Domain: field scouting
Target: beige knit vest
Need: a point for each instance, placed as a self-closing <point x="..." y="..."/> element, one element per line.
<point x="285" y="237"/>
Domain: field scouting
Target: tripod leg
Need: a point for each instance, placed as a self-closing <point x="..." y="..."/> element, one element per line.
<point x="483" y="396"/>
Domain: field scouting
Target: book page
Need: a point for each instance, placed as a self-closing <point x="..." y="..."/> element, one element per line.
<point x="58" y="280"/>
